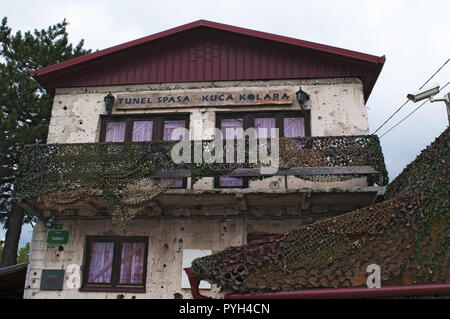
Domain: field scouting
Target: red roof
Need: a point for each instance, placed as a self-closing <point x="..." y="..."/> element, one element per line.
<point x="210" y="51"/>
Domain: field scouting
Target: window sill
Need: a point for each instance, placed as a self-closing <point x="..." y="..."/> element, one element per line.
<point x="113" y="289"/>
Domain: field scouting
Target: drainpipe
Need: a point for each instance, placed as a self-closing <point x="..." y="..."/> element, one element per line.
<point x="330" y="293"/>
<point x="194" y="282"/>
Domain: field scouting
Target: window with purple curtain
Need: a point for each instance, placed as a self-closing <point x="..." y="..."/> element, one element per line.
<point x="170" y="127"/>
<point x="294" y="127"/>
<point x="142" y="131"/>
<point x="227" y="181"/>
<point x="132" y="263"/>
<point x="263" y="127"/>
<point x="101" y="262"/>
<point x="170" y="135"/>
<point x="232" y="129"/>
<point x="115" y="263"/>
<point x="115" y="131"/>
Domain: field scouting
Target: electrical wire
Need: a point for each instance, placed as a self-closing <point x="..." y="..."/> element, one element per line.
<point x="396" y="111"/>
<point x="411" y="113"/>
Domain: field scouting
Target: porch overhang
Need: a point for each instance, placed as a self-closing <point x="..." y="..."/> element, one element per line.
<point x="226" y="203"/>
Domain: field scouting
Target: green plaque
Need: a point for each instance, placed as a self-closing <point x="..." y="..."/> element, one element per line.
<point x="57" y="237"/>
<point x="58" y="226"/>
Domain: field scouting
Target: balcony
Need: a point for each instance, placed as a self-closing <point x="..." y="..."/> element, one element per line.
<point x="100" y="180"/>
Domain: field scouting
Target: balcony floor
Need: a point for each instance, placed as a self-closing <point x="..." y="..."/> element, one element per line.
<point x="227" y="203"/>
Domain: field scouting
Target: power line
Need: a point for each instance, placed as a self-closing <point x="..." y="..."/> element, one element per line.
<point x="434" y="74"/>
<point x="396" y="111"/>
<point x="404" y="118"/>
<point x="410" y="114"/>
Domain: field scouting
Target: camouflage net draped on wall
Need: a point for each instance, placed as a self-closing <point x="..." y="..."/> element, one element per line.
<point x="407" y="235"/>
<point x="58" y="175"/>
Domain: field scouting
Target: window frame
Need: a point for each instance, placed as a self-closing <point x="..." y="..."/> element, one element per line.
<point x="158" y="124"/>
<point x="249" y="120"/>
<point x="115" y="285"/>
<point x="157" y="129"/>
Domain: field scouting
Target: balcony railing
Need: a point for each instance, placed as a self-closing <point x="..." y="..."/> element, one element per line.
<point x="49" y="168"/>
<point x="129" y="174"/>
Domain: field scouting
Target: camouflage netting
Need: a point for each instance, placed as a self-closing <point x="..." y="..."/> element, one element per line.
<point x="59" y="175"/>
<point x="407" y="235"/>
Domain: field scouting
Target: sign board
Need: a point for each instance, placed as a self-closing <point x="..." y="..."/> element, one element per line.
<point x="188" y="256"/>
<point x="52" y="279"/>
<point x="57" y="237"/>
<point x="164" y="99"/>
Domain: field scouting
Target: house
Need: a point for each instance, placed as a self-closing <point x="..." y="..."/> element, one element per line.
<point x="155" y="156"/>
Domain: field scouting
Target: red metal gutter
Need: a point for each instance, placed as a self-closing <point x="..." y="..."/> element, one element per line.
<point x="332" y="293"/>
<point x="357" y="292"/>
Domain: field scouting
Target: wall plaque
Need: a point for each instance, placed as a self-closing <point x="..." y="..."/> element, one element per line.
<point x="164" y="99"/>
<point x="57" y="237"/>
<point x="52" y="279"/>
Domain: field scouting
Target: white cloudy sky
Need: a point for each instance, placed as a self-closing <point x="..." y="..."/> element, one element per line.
<point x="414" y="36"/>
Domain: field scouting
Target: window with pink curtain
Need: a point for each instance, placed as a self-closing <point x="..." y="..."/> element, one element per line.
<point x="142" y="131"/>
<point x="115" y="131"/>
<point x="227" y="181"/>
<point x="264" y="127"/>
<point x="170" y="127"/>
<point x="294" y="127"/>
<point x="232" y="129"/>
<point x="101" y="262"/>
<point x="115" y="262"/>
<point x="132" y="263"/>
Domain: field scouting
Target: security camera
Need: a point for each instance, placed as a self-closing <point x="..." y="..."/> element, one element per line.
<point x="424" y="94"/>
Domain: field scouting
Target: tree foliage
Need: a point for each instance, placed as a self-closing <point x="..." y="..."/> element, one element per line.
<point x="25" y="107"/>
<point x="24" y="254"/>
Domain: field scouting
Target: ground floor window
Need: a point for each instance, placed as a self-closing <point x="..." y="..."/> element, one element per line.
<point x="115" y="264"/>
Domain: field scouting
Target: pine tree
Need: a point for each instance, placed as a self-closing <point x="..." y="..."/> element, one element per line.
<point x="25" y="110"/>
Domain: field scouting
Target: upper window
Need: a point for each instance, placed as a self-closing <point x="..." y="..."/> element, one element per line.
<point x="141" y="129"/>
<point x="115" y="264"/>
<point x="290" y="124"/>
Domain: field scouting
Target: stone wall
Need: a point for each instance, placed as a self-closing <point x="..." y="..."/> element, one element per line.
<point x="337" y="107"/>
<point x="167" y="240"/>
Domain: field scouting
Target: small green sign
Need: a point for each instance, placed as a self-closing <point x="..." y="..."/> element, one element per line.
<point x="58" y="226"/>
<point x="57" y="237"/>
